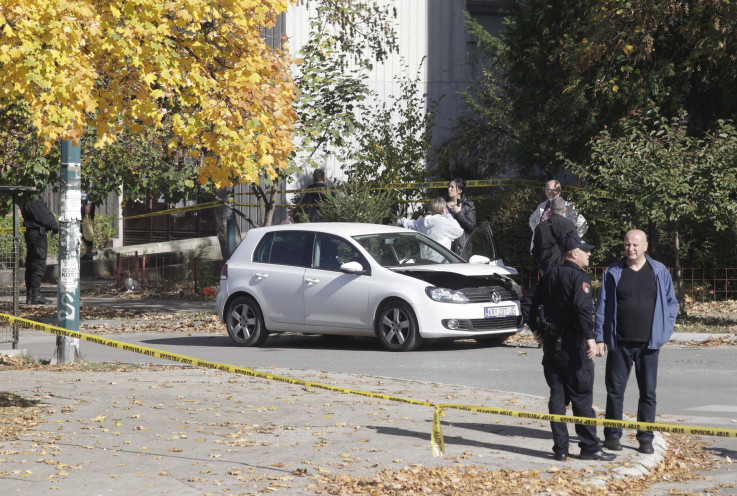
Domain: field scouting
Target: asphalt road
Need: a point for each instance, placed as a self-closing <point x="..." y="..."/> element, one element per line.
<point x="696" y="385"/>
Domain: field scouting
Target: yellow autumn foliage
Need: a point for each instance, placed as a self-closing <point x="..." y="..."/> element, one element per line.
<point x="200" y="66"/>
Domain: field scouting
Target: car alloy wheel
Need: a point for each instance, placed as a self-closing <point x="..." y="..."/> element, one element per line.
<point x="396" y="327"/>
<point x="245" y="322"/>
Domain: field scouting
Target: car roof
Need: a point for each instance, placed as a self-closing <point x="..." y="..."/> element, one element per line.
<point x="341" y="228"/>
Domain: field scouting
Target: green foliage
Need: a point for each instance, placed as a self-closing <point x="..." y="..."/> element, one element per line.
<point x="347" y="37"/>
<point x="394" y="145"/>
<point x="21" y="160"/>
<point x="141" y="163"/>
<point x="354" y="202"/>
<point x="649" y="173"/>
<point x="104" y="230"/>
<point x="571" y="68"/>
<point x="380" y="144"/>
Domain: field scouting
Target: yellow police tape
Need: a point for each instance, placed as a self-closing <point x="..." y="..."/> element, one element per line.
<point x="471" y="183"/>
<point x="201" y="206"/>
<point x="436" y="436"/>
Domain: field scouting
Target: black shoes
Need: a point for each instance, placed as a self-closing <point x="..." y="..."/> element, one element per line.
<point x="613" y="444"/>
<point x="38" y="300"/>
<point x="646" y="447"/>
<point x="561" y="457"/>
<point x="34" y="298"/>
<point x="600" y="456"/>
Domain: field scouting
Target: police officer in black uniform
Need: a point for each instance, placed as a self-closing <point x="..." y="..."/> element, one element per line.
<point x="37" y="219"/>
<point x="560" y="314"/>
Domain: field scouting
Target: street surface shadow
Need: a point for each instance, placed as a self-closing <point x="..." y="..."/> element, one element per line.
<point x="462" y="441"/>
<point x="202" y="341"/>
<point x="722" y="452"/>
<point x="501" y="430"/>
<point x="289" y="341"/>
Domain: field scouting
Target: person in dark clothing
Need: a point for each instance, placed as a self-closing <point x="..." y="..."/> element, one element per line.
<point x="37" y="220"/>
<point x="310" y="200"/>
<point x="463" y="210"/>
<point x="635" y="317"/>
<point x="550" y="235"/>
<point x="561" y="311"/>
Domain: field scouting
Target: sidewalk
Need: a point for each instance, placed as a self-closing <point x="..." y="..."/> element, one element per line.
<point x="190" y="431"/>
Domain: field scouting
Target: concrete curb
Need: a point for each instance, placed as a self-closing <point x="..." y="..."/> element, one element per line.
<point x="642" y="464"/>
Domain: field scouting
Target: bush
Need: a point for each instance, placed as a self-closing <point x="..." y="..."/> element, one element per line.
<point x="354" y="202"/>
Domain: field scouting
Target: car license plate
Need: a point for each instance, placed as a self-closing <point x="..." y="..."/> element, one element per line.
<point x="492" y="312"/>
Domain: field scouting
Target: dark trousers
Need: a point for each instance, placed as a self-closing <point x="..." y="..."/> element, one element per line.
<point x="618" y="365"/>
<point x="36" y="247"/>
<point x="578" y="386"/>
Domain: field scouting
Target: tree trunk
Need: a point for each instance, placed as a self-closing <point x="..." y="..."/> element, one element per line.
<point x="269" y="205"/>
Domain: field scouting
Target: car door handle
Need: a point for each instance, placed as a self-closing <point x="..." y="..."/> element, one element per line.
<point x="262" y="275"/>
<point x="311" y="281"/>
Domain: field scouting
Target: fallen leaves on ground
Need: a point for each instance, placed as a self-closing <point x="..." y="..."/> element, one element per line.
<point x="132" y="321"/>
<point x="28" y="363"/>
<point x="684" y="458"/>
<point x="17" y="415"/>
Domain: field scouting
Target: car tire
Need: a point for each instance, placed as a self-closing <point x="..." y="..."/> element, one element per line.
<point x="245" y="322"/>
<point x="396" y="327"/>
<point x="494" y="340"/>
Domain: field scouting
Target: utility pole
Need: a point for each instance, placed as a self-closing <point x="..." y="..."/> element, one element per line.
<point x="67" y="348"/>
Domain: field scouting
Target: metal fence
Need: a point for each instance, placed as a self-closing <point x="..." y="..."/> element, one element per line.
<point x="699" y="284"/>
<point x="9" y="255"/>
<point x="166" y="272"/>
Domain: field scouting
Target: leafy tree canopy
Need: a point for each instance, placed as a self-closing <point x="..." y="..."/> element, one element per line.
<point x="575" y="66"/>
<point x="649" y="171"/>
<point x="198" y="67"/>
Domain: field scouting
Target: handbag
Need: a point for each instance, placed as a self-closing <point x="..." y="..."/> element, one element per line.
<point x="88" y="229"/>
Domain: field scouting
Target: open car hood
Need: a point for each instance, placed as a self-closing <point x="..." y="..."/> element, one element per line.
<point x="460" y="276"/>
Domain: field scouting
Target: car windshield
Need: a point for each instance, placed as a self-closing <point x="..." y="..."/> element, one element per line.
<point x="402" y="249"/>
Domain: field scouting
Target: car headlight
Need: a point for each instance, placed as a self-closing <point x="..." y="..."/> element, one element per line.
<point x="445" y="295"/>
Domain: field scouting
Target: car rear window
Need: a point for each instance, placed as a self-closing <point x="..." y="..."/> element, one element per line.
<point x="285" y="248"/>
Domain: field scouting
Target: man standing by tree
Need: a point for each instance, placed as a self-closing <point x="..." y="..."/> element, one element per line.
<point x="310" y="200"/>
<point x="37" y="219"/>
<point x="635" y="316"/>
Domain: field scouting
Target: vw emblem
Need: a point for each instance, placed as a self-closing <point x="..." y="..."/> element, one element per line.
<point x="495" y="298"/>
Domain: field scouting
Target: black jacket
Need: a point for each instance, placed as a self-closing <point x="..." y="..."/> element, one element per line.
<point x="565" y="295"/>
<point x="467" y="219"/>
<point x="547" y="243"/>
<point x="36" y="215"/>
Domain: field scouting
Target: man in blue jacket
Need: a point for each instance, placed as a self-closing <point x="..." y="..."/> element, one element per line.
<point x="635" y="316"/>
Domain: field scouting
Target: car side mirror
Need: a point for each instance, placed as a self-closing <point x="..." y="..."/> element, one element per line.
<point x="479" y="259"/>
<point x="353" y="268"/>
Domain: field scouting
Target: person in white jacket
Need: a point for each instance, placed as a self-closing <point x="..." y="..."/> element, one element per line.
<point x="439" y="225"/>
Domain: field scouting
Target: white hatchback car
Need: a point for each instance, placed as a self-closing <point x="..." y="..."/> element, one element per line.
<point x="363" y="280"/>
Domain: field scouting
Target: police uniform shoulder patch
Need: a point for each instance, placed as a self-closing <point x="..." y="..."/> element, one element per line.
<point x="586" y="287"/>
